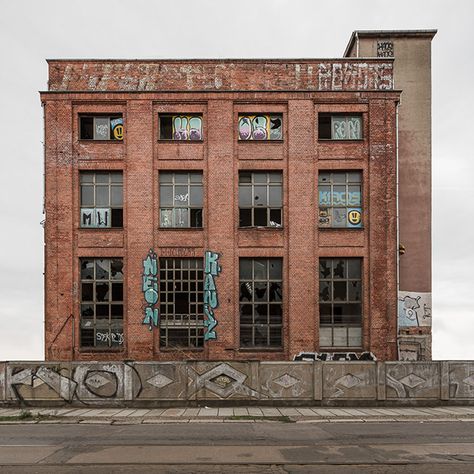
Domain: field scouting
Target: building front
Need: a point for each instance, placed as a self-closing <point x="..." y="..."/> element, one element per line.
<point x="239" y="209"/>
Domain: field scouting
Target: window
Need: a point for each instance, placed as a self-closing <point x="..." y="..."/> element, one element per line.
<point x="181" y="199"/>
<point x="261" y="127"/>
<point x="101" y="199"/>
<point x="181" y="302"/>
<point x="340" y="302"/>
<point x="340" y="127"/>
<point x="101" y="127"/>
<point x="340" y="199"/>
<point x="261" y="294"/>
<point x="180" y="127"/>
<point x="101" y="302"/>
<point x="260" y="199"/>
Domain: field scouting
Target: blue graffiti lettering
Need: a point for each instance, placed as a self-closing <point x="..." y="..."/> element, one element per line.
<point x="211" y="301"/>
<point x="150" y="289"/>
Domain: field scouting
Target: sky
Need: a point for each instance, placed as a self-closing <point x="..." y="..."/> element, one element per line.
<point x="32" y="31"/>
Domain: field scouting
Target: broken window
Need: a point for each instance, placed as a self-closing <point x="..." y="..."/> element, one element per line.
<point x="261" y="127"/>
<point x="340" y="198"/>
<point x="101" y="199"/>
<point x="261" y="308"/>
<point x="101" y="324"/>
<point x="181" y="303"/>
<point x="340" y="302"/>
<point x="340" y="127"/>
<point x="101" y="127"/>
<point x="181" y="199"/>
<point x="260" y="199"/>
<point x="180" y="127"/>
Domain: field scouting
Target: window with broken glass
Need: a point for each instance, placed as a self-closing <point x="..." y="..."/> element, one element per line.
<point x="340" y="302"/>
<point x="181" y="303"/>
<point x="181" y="199"/>
<point x="340" y="197"/>
<point x="101" y="303"/>
<point x="260" y="199"/>
<point x="101" y="199"/>
<point x="261" y="310"/>
<point x="101" y="127"/>
<point x="340" y="127"/>
<point x="182" y="127"/>
<point x="261" y="127"/>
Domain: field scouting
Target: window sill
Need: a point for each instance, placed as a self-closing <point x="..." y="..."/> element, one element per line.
<point x="182" y="349"/>
<point x="276" y="142"/>
<point x="260" y="349"/>
<point x="95" y="229"/>
<point x="91" y="140"/>
<point x="341" y="349"/>
<point x="262" y="228"/>
<point x="96" y="350"/>
<point x="335" y="140"/>
<point x="341" y="228"/>
<point x="180" y="228"/>
<point x="171" y="140"/>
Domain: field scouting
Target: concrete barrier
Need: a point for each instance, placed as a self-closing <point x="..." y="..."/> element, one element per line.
<point x="193" y="383"/>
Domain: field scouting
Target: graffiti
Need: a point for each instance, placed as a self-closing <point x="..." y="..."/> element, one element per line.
<point x="150" y="289"/>
<point x="211" y="302"/>
<point x="116" y="126"/>
<point x="334" y="356"/>
<point x="260" y="127"/>
<point x="414" y="309"/>
<point x="385" y="49"/>
<point x="182" y="197"/>
<point x="95" y="217"/>
<point x="178" y="252"/>
<point x="340" y="217"/>
<point x="113" y="337"/>
<point x="187" y="127"/>
<point x="355" y="76"/>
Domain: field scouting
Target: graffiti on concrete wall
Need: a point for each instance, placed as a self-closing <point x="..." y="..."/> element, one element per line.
<point x="414" y="309"/>
<point x="334" y="356"/>
<point x="150" y="289"/>
<point x="211" y="301"/>
<point x="385" y="49"/>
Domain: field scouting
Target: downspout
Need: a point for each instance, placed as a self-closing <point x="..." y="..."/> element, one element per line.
<point x="357" y="44"/>
<point x="43" y="223"/>
<point x="398" y="226"/>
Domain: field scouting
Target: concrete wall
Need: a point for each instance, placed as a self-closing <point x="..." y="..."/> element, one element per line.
<point x="230" y="382"/>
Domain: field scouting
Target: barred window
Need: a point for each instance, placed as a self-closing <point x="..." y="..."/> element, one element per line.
<point x="261" y="127"/>
<point x="181" y="197"/>
<point x="101" y="302"/>
<point x="181" y="303"/>
<point x="340" y="127"/>
<point x="260" y="199"/>
<point x="101" y="127"/>
<point x="340" y="302"/>
<point x="181" y="127"/>
<point x="261" y="293"/>
<point x="101" y="199"/>
<point x="340" y="197"/>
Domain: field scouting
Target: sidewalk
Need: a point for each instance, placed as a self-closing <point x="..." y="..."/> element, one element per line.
<point x="233" y="415"/>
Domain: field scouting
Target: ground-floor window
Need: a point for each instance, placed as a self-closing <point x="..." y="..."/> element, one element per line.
<point x="181" y="303"/>
<point x="340" y="302"/>
<point x="101" y="303"/>
<point x="261" y="293"/>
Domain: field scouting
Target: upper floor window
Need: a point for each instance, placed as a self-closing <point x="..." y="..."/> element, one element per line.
<point x="101" y="302"/>
<point x="180" y="127"/>
<point x="340" y="199"/>
<point x="181" y="199"/>
<point x="261" y="127"/>
<point x="101" y="127"/>
<point x="101" y="199"/>
<point x="340" y="127"/>
<point x="260" y="199"/>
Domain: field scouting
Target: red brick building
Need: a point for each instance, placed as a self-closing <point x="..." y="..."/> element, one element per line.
<point x="223" y="209"/>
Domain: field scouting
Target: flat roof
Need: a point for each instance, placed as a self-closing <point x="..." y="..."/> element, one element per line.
<point x="387" y="33"/>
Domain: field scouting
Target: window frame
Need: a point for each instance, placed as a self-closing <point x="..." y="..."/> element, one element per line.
<point x="269" y="116"/>
<point x="119" y="325"/>
<point x="347" y="116"/>
<point x="174" y="115"/>
<point x="268" y="184"/>
<point x="109" y="116"/>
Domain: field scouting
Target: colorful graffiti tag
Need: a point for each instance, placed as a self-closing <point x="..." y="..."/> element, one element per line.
<point x="414" y="309"/>
<point x="187" y="127"/>
<point x="150" y="289"/>
<point x="211" y="302"/>
<point x="260" y="127"/>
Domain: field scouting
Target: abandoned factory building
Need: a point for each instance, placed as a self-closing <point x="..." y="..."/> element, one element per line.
<point x="241" y="209"/>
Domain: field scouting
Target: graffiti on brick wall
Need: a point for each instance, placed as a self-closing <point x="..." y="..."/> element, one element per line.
<point x="414" y="309"/>
<point x="211" y="301"/>
<point x="355" y="76"/>
<point x="385" y="49"/>
<point x="260" y="127"/>
<point x="414" y="347"/>
<point x="334" y="356"/>
<point x="150" y="289"/>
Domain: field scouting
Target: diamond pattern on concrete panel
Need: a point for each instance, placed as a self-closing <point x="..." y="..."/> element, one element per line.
<point x="286" y="381"/>
<point x="412" y="380"/>
<point x="159" y="380"/>
<point x="348" y="381"/>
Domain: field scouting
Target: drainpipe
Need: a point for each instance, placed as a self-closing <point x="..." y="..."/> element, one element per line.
<point x="357" y="44"/>
<point x="398" y="223"/>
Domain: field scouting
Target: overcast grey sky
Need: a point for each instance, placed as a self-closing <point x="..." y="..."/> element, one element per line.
<point x="31" y="31"/>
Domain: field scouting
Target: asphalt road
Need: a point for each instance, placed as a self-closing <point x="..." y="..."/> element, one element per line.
<point x="266" y="447"/>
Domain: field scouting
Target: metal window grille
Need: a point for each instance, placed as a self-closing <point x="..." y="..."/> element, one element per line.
<point x="181" y="199"/>
<point x="340" y="199"/>
<point x="181" y="303"/>
<point x="261" y="308"/>
<point x="101" y="302"/>
<point x="260" y="199"/>
<point x="101" y="199"/>
<point x="340" y="302"/>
